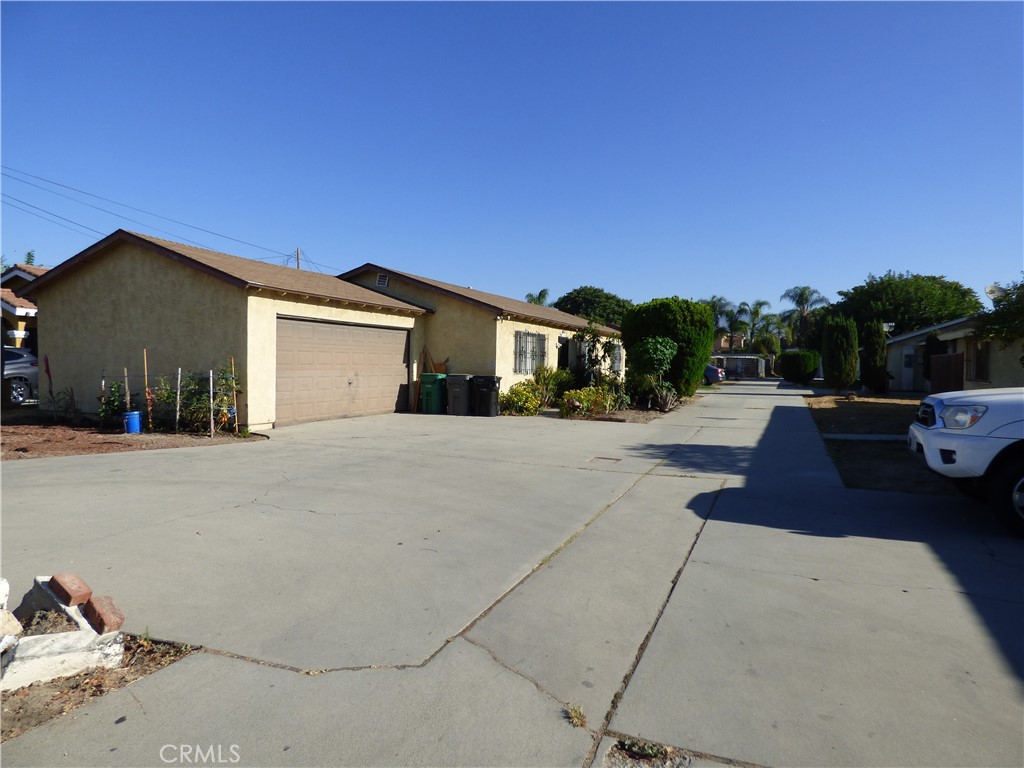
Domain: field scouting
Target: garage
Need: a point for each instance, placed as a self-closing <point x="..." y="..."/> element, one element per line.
<point x="332" y="370"/>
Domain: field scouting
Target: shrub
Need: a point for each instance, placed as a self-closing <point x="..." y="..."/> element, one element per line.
<point x="872" y="361"/>
<point x="687" y="323"/>
<point x="664" y="397"/>
<point x="552" y="383"/>
<point x="587" y="402"/>
<point x="839" y="352"/>
<point x="799" y="367"/>
<point x="522" y="399"/>
<point x="766" y="344"/>
<point x="195" y="400"/>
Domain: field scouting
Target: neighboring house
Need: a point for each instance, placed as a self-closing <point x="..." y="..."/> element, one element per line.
<point x="306" y="346"/>
<point x="482" y="333"/>
<point x="967" y="362"/>
<point x="19" y="314"/>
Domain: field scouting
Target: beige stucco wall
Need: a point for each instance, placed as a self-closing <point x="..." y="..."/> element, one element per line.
<point x="97" y="320"/>
<point x="1005" y="368"/>
<point x="261" y="351"/>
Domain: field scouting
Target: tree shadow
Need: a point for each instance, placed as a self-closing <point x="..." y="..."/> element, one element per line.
<point x="783" y="479"/>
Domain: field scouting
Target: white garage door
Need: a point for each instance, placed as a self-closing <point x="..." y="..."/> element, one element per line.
<point x="328" y="371"/>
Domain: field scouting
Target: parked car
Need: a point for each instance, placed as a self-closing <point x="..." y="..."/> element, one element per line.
<point x="21" y="376"/>
<point x="713" y="374"/>
<point x="976" y="437"/>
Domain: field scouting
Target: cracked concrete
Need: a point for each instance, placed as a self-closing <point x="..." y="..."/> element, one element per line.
<point x="410" y="590"/>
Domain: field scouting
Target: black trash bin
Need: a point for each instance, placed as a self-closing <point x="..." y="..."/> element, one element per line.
<point x="485" y="395"/>
<point x="458" y="394"/>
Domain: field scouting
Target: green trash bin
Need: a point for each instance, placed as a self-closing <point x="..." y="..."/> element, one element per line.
<point x="432" y="397"/>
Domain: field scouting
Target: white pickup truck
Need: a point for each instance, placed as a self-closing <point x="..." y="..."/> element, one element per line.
<point x="976" y="437"/>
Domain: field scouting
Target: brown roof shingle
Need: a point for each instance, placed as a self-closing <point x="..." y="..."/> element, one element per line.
<point x="8" y="297"/>
<point x="500" y="304"/>
<point x="245" y="273"/>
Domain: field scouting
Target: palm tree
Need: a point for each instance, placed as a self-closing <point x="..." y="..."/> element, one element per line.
<point x="754" y="313"/>
<point x="735" y="325"/>
<point x="541" y="297"/>
<point x="804" y="299"/>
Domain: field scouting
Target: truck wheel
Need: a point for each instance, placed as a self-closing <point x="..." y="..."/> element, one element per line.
<point x="1006" y="493"/>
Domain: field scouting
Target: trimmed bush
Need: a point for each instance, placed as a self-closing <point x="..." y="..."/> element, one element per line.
<point x="872" y="361"/>
<point x="839" y="352"/>
<point x="587" y="402"/>
<point x="798" y="367"/>
<point x="687" y="323"/>
<point x="522" y="399"/>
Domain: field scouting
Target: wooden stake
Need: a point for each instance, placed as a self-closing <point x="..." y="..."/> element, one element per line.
<point x="127" y="393"/>
<point x="145" y="383"/>
<point x="211" y="404"/>
<point x="234" y="392"/>
<point x="177" y="403"/>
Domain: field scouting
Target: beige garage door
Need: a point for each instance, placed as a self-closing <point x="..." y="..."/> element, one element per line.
<point x="328" y="371"/>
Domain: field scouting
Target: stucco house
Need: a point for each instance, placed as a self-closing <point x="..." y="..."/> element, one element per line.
<point x="306" y="346"/>
<point x="966" y="362"/>
<point x="19" y="313"/>
<point x="484" y="333"/>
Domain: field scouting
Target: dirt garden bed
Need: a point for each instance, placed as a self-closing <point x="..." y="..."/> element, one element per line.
<point x="25" y="708"/>
<point x="875" y="465"/>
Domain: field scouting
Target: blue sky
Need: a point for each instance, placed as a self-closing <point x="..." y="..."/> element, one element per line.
<point x="650" y="149"/>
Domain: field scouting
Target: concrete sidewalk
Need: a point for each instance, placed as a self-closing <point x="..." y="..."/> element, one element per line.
<point x="412" y="590"/>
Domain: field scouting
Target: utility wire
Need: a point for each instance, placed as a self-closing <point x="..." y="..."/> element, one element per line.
<point x="90" y="205"/>
<point x="140" y="210"/>
<point x="51" y="221"/>
<point x="51" y="213"/>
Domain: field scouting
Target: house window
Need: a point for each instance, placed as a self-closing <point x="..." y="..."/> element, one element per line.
<point x="382" y="281"/>
<point x="616" y="359"/>
<point x="977" y="360"/>
<point x="531" y="351"/>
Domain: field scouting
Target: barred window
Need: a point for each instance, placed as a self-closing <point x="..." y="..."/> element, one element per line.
<point x="616" y="360"/>
<point x="531" y="351"/>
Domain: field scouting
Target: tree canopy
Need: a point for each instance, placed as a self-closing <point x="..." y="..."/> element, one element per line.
<point x="909" y="301"/>
<point x="594" y="304"/>
<point x="1005" y="321"/>
<point x="541" y="297"/>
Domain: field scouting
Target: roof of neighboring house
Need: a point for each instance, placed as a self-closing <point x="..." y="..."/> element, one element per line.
<point x="500" y="305"/>
<point x="244" y="273"/>
<point x="949" y="324"/>
<point x="15" y="304"/>
<point x="27" y="272"/>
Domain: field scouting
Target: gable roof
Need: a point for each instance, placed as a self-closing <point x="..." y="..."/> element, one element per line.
<point x="15" y="304"/>
<point x="243" y="273"/>
<point x="500" y="305"/>
<point x="24" y="271"/>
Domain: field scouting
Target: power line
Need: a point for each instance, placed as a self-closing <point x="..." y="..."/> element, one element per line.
<point x="40" y="216"/>
<point x="140" y="210"/>
<point x="51" y="213"/>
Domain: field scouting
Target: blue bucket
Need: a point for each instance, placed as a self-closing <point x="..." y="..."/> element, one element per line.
<point x="132" y="422"/>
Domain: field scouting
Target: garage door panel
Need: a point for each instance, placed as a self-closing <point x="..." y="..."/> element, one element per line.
<point x="327" y="371"/>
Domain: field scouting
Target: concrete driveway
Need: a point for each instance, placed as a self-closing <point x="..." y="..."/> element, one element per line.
<point x="424" y="590"/>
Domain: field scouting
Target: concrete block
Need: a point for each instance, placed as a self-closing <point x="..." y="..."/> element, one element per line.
<point x="5" y="592"/>
<point x="103" y="614"/>
<point x="70" y="588"/>
<point x="45" y="657"/>
<point x="9" y="625"/>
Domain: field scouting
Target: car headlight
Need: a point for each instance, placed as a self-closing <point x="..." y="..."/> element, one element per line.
<point x="961" y="416"/>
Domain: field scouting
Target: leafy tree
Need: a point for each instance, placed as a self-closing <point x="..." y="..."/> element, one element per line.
<point x="30" y="257"/>
<point x="1005" y="321"/>
<point x="839" y="352"/>
<point x="766" y="344"/>
<point x="718" y="305"/>
<point x="804" y="300"/>
<point x="754" y="312"/>
<point x="595" y="304"/>
<point x="541" y="297"/>
<point x="687" y="323"/>
<point x="908" y="301"/>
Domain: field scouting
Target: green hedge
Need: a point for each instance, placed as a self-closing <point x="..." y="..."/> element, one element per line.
<point x="798" y="367"/>
<point x="687" y="323"/>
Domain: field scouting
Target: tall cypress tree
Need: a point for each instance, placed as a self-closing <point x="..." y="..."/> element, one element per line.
<point x="839" y="352"/>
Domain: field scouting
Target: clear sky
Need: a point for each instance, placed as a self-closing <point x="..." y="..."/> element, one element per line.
<point x="650" y="149"/>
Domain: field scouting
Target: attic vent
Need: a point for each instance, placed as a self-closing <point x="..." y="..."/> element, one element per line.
<point x="382" y="281"/>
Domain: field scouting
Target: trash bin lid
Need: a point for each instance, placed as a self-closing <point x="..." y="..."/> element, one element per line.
<point x="431" y="376"/>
